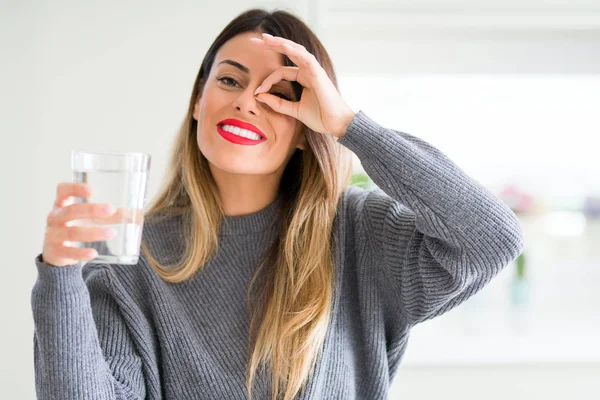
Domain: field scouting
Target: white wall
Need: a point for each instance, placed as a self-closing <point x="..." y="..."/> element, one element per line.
<point x="108" y="76"/>
<point x="116" y="76"/>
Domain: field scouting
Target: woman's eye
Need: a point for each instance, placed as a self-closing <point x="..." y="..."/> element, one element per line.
<point x="228" y="81"/>
<point x="233" y="83"/>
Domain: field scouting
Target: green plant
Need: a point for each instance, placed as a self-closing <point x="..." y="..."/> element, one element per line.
<point x="521" y="265"/>
<point x="361" y="180"/>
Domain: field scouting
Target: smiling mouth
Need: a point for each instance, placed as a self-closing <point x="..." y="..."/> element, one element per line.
<point x="238" y="136"/>
<point x="241" y="132"/>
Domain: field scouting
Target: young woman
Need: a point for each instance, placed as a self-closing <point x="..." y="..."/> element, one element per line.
<point x="263" y="274"/>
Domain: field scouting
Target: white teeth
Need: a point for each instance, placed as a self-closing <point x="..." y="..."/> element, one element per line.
<point x="241" y="132"/>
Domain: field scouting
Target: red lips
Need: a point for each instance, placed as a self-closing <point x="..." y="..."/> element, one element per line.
<point x="243" y="125"/>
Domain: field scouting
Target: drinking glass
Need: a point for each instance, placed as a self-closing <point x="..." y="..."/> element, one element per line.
<point x="120" y="179"/>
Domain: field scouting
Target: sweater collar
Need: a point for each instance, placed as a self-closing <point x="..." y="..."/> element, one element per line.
<point x="258" y="221"/>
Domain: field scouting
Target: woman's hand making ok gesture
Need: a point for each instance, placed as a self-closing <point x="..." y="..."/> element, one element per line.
<point x="321" y="108"/>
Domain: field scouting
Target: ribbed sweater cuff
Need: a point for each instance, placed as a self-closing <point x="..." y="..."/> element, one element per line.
<point x="360" y="133"/>
<point x="66" y="279"/>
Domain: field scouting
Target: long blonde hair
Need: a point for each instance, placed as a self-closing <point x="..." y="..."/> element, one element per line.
<point x="291" y="316"/>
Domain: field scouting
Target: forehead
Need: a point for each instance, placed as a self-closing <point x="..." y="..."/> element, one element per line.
<point x="257" y="59"/>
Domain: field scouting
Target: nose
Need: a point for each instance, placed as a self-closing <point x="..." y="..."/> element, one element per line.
<point x="246" y="103"/>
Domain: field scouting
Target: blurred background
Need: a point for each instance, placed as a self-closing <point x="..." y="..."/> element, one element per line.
<point x="509" y="90"/>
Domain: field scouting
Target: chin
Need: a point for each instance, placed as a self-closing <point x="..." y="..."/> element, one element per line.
<point x="234" y="166"/>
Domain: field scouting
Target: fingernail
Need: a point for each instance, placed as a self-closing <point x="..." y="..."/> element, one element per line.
<point x="257" y="90"/>
<point x="109" y="209"/>
<point x="267" y="35"/>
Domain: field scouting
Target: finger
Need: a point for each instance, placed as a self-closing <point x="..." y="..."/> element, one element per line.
<point x="278" y="40"/>
<point x="122" y="215"/>
<point x="295" y="52"/>
<point x="65" y="190"/>
<point x="74" y="253"/>
<point x="282" y="73"/>
<point x="312" y="75"/>
<point x="298" y="58"/>
<point x="61" y="216"/>
<point x="279" y="105"/>
<point x="58" y="235"/>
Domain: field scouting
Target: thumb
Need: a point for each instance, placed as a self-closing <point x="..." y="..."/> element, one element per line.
<point x="278" y="104"/>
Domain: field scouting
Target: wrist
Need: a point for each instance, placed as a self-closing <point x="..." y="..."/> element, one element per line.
<point x="346" y="119"/>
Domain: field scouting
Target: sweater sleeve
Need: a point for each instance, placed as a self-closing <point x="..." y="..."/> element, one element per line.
<point x="82" y="348"/>
<point x="437" y="234"/>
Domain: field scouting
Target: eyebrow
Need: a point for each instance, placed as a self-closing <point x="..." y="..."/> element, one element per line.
<point x="236" y="64"/>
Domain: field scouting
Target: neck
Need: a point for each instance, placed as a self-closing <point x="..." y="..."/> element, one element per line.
<point x="243" y="194"/>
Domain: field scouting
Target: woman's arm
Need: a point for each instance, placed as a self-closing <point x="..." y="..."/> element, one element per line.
<point x="438" y="234"/>
<point x="442" y="236"/>
<point x="71" y="305"/>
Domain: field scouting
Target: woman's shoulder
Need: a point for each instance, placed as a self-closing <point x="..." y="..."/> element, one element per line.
<point x="367" y="210"/>
<point x="357" y="200"/>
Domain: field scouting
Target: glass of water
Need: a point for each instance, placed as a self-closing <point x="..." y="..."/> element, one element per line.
<point x="120" y="179"/>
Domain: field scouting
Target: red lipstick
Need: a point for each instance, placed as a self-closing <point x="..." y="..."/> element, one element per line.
<point x="242" y="125"/>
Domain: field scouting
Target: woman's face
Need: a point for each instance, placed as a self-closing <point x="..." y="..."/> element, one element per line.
<point x="239" y="68"/>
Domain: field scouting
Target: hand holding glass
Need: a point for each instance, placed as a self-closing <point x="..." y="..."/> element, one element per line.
<point x="120" y="180"/>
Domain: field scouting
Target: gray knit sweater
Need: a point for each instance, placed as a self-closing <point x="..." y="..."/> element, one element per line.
<point x="423" y="242"/>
